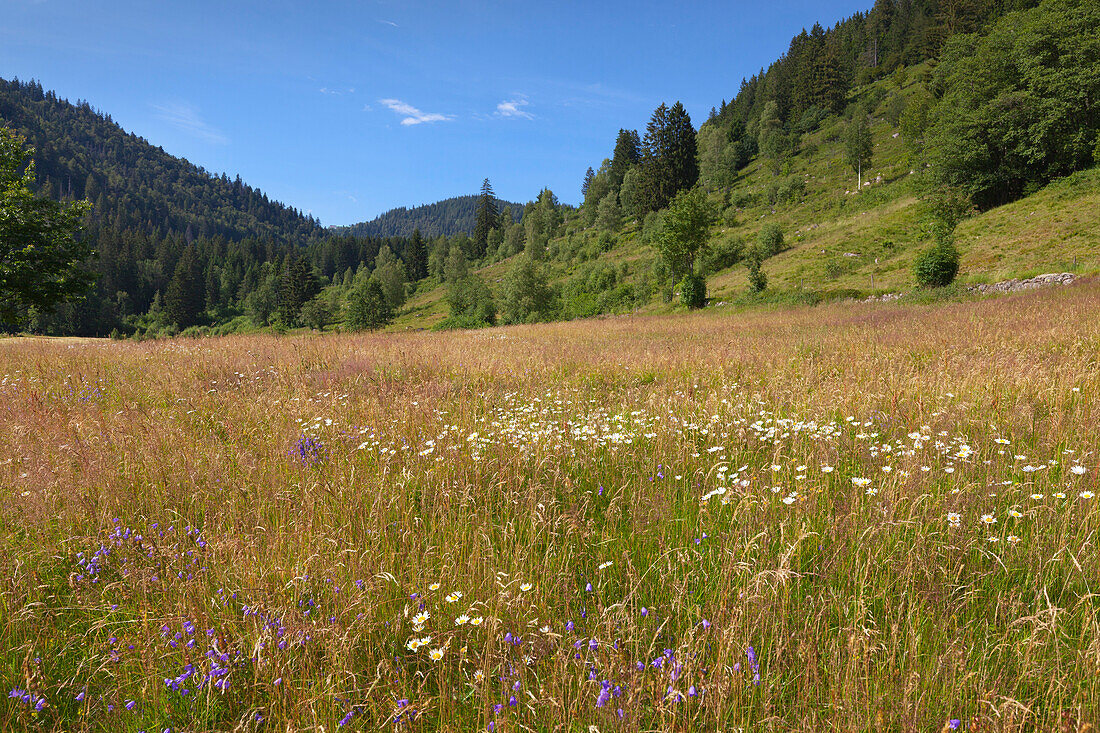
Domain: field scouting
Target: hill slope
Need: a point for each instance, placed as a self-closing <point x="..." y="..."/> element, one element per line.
<point x="840" y="242"/>
<point x="456" y="215"/>
<point x="133" y="185"/>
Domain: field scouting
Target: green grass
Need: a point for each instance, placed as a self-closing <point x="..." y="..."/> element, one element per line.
<point x="266" y="508"/>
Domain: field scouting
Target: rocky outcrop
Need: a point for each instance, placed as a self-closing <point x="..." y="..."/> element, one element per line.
<point x="1013" y="286"/>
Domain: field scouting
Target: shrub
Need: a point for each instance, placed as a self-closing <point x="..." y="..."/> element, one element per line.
<point x="758" y="281"/>
<point x="937" y="265"/>
<point x="693" y="291"/>
<point x="723" y="255"/>
<point x="771" y="240"/>
<point x="791" y="189"/>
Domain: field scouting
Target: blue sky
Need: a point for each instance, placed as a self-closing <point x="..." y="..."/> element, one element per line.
<point x="347" y="109"/>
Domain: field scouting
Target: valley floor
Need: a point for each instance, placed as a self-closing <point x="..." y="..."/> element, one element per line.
<point x="858" y="516"/>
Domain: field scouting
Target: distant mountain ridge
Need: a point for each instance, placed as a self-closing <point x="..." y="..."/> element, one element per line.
<point x="443" y="218"/>
<point x="134" y="185"/>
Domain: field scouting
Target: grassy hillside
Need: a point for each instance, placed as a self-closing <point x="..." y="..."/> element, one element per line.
<point x="844" y="240"/>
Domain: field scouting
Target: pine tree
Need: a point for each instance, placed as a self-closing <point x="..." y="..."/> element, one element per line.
<point x="416" y="257"/>
<point x="588" y="176"/>
<point x="298" y="286"/>
<point x="627" y="154"/>
<point x="488" y="218"/>
<point x="183" y="301"/>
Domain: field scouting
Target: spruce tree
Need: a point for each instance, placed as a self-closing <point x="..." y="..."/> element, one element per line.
<point x="488" y="218"/>
<point x="183" y="301"/>
<point x="298" y="286"/>
<point x="627" y="153"/>
<point x="588" y="176"/>
<point x="416" y="257"/>
<point x="669" y="162"/>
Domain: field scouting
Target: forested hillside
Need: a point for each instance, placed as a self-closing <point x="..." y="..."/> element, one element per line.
<point x="134" y="186"/>
<point x="457" y="215"/>
<point x="919" y="125"/>
<point x="903" y="133"/>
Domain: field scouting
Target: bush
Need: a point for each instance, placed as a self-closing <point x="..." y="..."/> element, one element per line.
<point x="790" y="190"/>
<point x="723" y="255"/>
<point x="758" y="281"/>
<point x="470" y="299"/>
<point x="742" y="199"/>
<point x="771" y="240"/>
<point x="937" y="265"/>
<point x="693" y="291"/>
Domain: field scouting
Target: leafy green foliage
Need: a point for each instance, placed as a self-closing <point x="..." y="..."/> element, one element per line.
<point x="367" y="309"/>
<point x="40" y="252"/>
<point x="858" y="146"/>
<point x="770" y="240"/>
<point x="758" y="280"/>
<point x="693" y="291"/>
<point x="389" y="272"/>
<point x="527" y="296"/>
<point x="471" y="303"/>
<point x="684" y="231"/>
<point x="1020" y="106"/>
<point x="937" y="265"/>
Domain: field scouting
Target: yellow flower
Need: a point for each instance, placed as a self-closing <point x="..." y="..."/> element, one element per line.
<point x="436" y="654"/>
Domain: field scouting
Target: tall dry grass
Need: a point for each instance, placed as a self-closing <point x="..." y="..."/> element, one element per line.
<point x="238" y="534"/>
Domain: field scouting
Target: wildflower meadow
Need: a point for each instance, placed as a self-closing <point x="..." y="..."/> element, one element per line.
<point x="873" y="517"/>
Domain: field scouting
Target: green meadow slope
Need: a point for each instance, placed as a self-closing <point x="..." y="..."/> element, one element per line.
<point x="843" y="241"/>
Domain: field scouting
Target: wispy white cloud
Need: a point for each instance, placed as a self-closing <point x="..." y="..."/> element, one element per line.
<point x="389" y="22"/>
<point x="186" y="118"/>
<point x="512" y="108"/>
<point x="413" y="116"/>
<point x="327" y="90"/>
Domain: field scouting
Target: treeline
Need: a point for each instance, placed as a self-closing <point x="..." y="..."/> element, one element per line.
<point x="445" y="218"/>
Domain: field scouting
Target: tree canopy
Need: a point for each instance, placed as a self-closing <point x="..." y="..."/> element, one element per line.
<point x="41" y="254"/>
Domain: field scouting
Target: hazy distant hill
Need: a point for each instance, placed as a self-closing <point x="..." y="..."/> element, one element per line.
<point x="447" y="217"/>
<point x="134" y="185"/>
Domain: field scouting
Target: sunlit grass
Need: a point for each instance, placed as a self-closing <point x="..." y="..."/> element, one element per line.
<point x="850" y="517"/>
